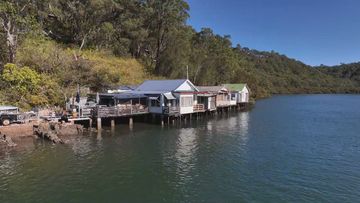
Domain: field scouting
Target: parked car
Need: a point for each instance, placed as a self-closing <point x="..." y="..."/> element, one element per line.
<point x="10" y="114"/>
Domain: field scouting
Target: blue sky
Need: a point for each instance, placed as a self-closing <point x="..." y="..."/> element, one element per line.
<point x="313" y="31"/>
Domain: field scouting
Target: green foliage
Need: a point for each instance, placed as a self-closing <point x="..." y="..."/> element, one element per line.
<point x="17" y="19"/>
<point x="347" y="71"/>
<point x="94" y="69"/>
<point x="25" y="87"/>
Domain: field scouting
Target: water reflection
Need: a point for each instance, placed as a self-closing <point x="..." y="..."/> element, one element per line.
<point x="186" y="148"/>
<point x="243" y="121"/>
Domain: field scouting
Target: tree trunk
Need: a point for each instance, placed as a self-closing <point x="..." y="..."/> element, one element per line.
<point x="11" y="42"/>
<point x="11" y="39"/>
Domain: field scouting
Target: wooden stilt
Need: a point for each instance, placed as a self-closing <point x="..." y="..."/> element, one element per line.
<point x="112" y="123"/>
<point x="98" y="122"/>
<point x="131" y="123"/>
<point x="90" y="123"/>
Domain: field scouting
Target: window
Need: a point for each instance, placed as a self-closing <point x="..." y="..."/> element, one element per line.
<point x="233" y="96"/>
<point x="155" y="103"/>
<point x="186" y="101"/>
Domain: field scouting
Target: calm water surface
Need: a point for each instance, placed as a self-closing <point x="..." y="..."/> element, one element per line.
<point x="302" y="148"/>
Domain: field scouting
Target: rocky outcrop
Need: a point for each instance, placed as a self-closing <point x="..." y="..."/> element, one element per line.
<point x="52" y="130"/>
<point x="6" y="140"/>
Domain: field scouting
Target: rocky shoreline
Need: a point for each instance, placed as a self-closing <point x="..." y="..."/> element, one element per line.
<point x="55" y="132"/>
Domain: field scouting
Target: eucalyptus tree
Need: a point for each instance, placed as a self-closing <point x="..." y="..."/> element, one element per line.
<point x="164" y="17"/>
<point x="76" y="21"/>
<point x="16" y="18"/>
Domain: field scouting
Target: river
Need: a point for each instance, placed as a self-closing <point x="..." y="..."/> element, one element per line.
<point x="303" y="148"/>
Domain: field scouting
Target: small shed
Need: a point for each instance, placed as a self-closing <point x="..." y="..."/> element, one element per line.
<point x="222" y="94"/>
<point x="208" y="100"/>
<point x="241" y="91"/>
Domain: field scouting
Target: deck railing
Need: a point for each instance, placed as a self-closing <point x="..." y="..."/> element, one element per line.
<point x="118" y="111"/>
<point x="199" y="107"/>
<point x="171" y="109"/>
<point x="222" y="103"/>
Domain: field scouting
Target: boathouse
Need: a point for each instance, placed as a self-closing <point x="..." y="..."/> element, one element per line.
<point x="239" y="91"/>
<point x="207" y="99"/>
<point x="223" y="98"/>
<point x="170" y="97"/>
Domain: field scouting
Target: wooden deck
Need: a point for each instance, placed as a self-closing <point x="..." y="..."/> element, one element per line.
<point x="171" y="110"/>
<point x="222" y="103"/>
<point x="120" y="111"/>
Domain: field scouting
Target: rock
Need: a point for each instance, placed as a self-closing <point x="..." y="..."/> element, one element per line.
<point x="7" y="140"/>
<point x="51" y="130"/>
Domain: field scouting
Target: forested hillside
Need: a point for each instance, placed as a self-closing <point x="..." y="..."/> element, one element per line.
<point x="47" y="47"/>
<point x="348" y="71"/>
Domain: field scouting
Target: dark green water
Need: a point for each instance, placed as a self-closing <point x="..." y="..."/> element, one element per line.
<point x="287" y="149"/>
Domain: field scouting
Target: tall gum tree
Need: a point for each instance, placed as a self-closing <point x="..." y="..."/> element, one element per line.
<point x="14" y="20"/>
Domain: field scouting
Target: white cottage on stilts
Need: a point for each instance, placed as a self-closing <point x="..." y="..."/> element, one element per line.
<point x="170" y="97"/>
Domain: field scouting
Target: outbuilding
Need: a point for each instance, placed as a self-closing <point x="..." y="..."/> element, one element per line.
<point x="240" y="91"/>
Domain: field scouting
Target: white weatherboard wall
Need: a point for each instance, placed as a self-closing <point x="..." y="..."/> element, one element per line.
<point x="233" y="100"/>
<point x="188" y="108"/>
<point x="185" y="87"/>
<point x="238" y="98"/>
<point x="211" y="100"/>
<point x="244" y="95"/>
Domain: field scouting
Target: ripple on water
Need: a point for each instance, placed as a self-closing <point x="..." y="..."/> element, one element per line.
<point x="303" y="151"/>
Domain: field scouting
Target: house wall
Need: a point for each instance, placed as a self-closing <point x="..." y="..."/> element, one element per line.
<point x="185" y="87"/>
<point x="186" y="104"/>
<point x="211" y="103"/>
<point x="154" y="109"/>
<point x="244" y="96"/>
<point x="222" y="99"/>
<point x="233" y="98"/>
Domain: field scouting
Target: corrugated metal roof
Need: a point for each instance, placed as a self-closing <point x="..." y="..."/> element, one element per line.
<point x="127" y="87"/>
<point x="160" y="85"/>
<point x="129" y="96"/>
<point x="214" y="89"/>
<point x="235" y="87"/>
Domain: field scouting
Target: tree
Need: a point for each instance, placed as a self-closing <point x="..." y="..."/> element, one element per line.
<point x="28" y="88"/>
<point x="163" y="17"/>
<point x="76" y="21"/>
<point x="15" y="19"/>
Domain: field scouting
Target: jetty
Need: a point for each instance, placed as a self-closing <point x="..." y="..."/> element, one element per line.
<point x="159" y="101"/>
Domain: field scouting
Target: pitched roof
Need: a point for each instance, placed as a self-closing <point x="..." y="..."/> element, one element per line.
<point x="162" y="85"/>
<point x="127" y="87"/>
<point x="215" y="89"/>
<point x="235" y="87"/>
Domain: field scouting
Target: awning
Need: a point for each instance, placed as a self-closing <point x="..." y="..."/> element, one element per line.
<point x="206" y="95"/>
<point x="128" y="96"/>
<point x="154" y="98"/>
<point x="169" y="96"/>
